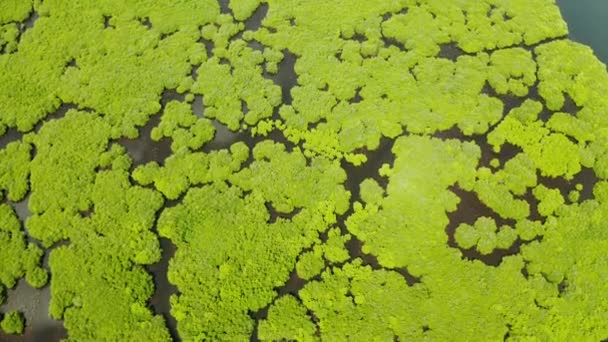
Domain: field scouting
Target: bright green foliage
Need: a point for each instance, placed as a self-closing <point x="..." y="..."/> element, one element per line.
<point x="106" y="249"/>
<point x="435" y="95"/>
<point x="528" y="111"/>
<point x="220" y="33"/>
<point x="552" y="153"/>
<point x="424" y="110"/>
<point x="8" y="39"/>
<point x="116" y="158"/>
<point x="14" y="170"/>
<point x="310" y="263"/>
<point x="555" y="155"/>
<point x="53" y="225"/>
<point x="498" y="190"/>
<point x="425" y="41"/>
<point x="287" y="319"/>
<point x="250" y="258"/>
<point x="518" y="174"/>
<point x="365" y="72"/>
<point x="73" y="145"/>
<point x="17" y="257"/>
<point x="485" y="236"/>
<point x="13" y="323"/>
<point x="294" y="185"/>
<point x="117" y="307"/>
<point x="499" y="199"/>
<point x="333" y="248"/>
<point x="578" y="263"/>
<point x="497" y="24"/>
<point x="528" y="230"/>
<point x="512" y="70"/>
<point x="572" y="126"/>
<point x="14" y="10"/>
<point x="574" y="196"/>
<point x="413" y="212"/>
<point x="184" y="169"/>
<point x="550" y="200"/>
<point x="118" y="204"/>
<point x="106" y="253"/>
<point x="243" y="9"/>
<point x="138" y="51"/>
<point x="242" y="79"/>
<point x="371" y="192"/>
<point x="119" y="71"/>
<point x="501" y="294"/>
<point x="358" y="294"/>
<point x="569" y="68"/>
<point x="332" y="251"/>
<point x="183" y="127"/>
<point x="221" y="218"/>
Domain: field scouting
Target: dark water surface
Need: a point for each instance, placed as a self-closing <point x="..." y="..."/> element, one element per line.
<point x="588" y="23"/>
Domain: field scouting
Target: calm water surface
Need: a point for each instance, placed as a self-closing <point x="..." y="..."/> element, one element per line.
<point x="588" y="23"/>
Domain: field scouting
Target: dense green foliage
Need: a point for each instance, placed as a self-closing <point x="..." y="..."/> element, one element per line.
<point x="287" y="319"/>
<point x="106" y="252"/>
<point x="13" y="323"/>
<point x="478" y="104"/>
<point x="251" y="256"/>
<point x="14" y="170"/>
<point x="183" y="127"/>
<point x="18" y="258"/>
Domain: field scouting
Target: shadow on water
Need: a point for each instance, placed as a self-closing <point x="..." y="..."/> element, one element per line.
<point x="255" y="21"/>
<point x="468" y="211"/>
<point x="224" y="6"/>
<point x="287" y="78"/>
<point x="58" y="114"/>
<point x="29" y="22"/>
<point x="355" y="251"/>
<point x="10" y="136"/>
<point x="224" y="138"/>
<point x="160" y="301"/>
<point x="450" y="51"/>
<point x="198" y="106"/>
<point x="143" y="149"/>
<point x="375" y="159"/>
